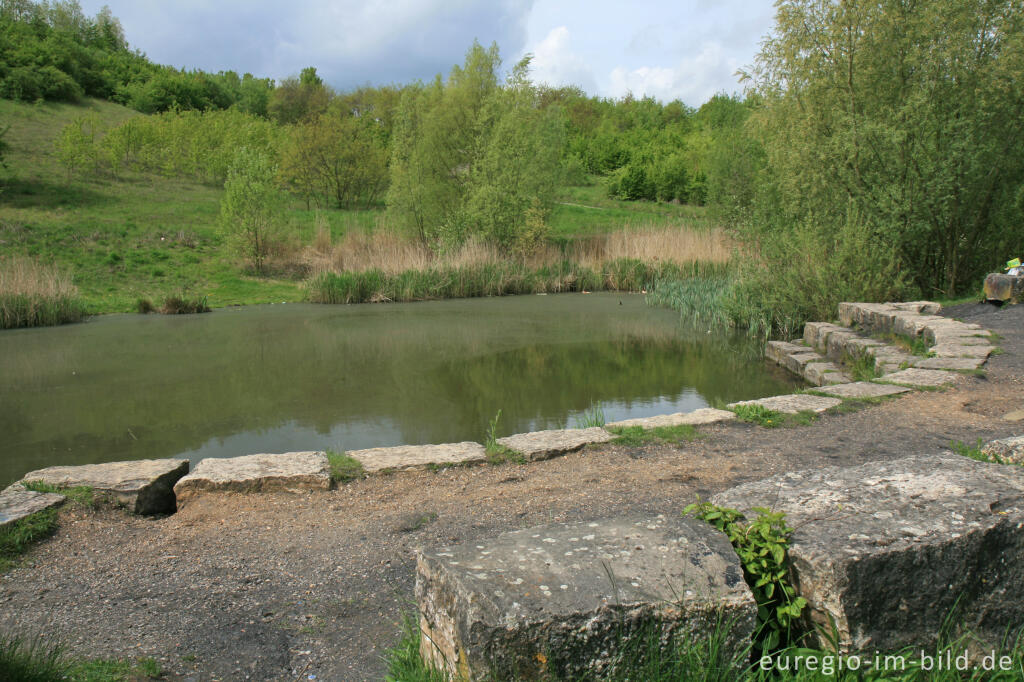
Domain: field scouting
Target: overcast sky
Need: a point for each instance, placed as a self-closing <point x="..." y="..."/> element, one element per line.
<point x="685" y="49"/>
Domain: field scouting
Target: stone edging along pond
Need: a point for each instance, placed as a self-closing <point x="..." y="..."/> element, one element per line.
<point x="821" y="357"/>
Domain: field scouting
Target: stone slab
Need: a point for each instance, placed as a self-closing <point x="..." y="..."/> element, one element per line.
<point x="824" y="374"/>
<point x="922" y="307"/>
<point x="956" y="350"/>
<point x="413" y="456"/>
<point x="948" y="363"/>
<point x="816" y="333"/>
<point x="1014" y="416"/>
<point x="705" y="415"/>
<point x="144" y="486"/>
<point x="961" y="339"/>
<point x="863" y="389"/>
<point x="795" y="362"/>
<point x="791" y="404"/>
<point x="1007" y="449"/>
<point x="886" y="549"/>
<point x="291" y="471"/>
<point x="546" y="444"/>
<point x="778" y="350"/>
<point x="16" y="502"/>
<point x="556" y="601"/>
<point x="920" y="377"/>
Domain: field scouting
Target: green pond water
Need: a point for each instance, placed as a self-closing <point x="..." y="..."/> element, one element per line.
<point x="304" y="377"/>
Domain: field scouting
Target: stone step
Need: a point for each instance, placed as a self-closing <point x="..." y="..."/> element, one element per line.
<point x="792" y="404"/>
<point x="560" y="600"/>
<point x="705" y="415"/>
<point x="805" y="362"/>
<point x="418" y="456"/>
<point x="144" y="486"/>
<point x="887" y="549"/>
<point x="863" y="389"/>
<point x="948" y="363"/>
<point x="17" y="502"/>
<point x="546" y="444"/>
<point x="929" y="378"/>
<point x="291" y="472"/>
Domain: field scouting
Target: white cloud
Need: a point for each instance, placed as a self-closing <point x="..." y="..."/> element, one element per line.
<point x="693" y="79"/>
<point x="554" y="62"/>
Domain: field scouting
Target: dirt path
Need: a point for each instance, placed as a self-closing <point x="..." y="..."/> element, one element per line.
<point x="285" y="586"/>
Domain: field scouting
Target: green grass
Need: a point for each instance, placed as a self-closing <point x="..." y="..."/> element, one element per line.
<point x="16" y="538"/>
<point x="587" y="210"/>
<point x="37" y="660"/>
<point x="344" y="467"/>
<point x="913" y="345"/>
<point x="861" y="368"/>
<point x="135" y="236"/>
<point x="770" y="419"/>
<point x="81" y="496"/>
<point x="703" y="659"/>
<point x="635" y="436"/>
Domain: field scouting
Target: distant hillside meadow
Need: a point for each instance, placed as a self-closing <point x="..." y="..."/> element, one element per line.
<point x="875" y="154"/>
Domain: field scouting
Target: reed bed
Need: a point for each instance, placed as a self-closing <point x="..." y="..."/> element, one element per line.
<point x="35" y="295"/>
<point x="383" y="265"/>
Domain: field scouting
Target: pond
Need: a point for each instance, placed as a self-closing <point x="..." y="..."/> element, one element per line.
<point x="305" y="377"/>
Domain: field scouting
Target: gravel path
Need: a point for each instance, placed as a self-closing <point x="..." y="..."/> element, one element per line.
<point x="284" y="586"/>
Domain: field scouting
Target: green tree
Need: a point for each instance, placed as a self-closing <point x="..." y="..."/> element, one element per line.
<point x="250" y="208"/>
<point x="473" y="156"/>
<point x="905" y="115"/>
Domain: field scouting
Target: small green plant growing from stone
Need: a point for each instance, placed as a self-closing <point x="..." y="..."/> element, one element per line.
<point x="593" y="416"/>
<point x="758" y="414"/>
<point x="862" y="368"/>
<point x="975" y="452"/>
<point x="496" y="452"/>
<point x="761" y="546"/>
<point x="81" y="496"/>
<point x="343" y="467"/>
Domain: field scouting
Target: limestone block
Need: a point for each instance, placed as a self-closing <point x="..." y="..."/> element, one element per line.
<point x="948" y="363"/>
<point x="559" y="600"/>
<point x="705" y="415"/>
<point x="887" y="548"/>
<point x="16" y="503"/>
<point x="791" y="404"/>
<point x="956" y="350"/>
<point x="546" y="444"/>
<point x="863" y="389"/>
<point x="144" y="486"/>
<point x="824" y="374"/>
<point x="778" y="350"/>
<point x="291" y="471"/>
<point x="920" y="377"/>
<point x="413" y="456"/>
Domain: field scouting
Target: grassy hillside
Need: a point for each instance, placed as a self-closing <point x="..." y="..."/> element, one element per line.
<point x="142" y="235"/>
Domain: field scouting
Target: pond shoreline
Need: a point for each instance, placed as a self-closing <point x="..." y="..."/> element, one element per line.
<point x="316" y="584"/>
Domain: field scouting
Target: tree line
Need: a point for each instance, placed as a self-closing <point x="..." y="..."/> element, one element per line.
<point x="876" y="151"/>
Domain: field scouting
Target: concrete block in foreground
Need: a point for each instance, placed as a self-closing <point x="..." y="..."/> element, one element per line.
<point x="144" y="486"/>
<point x="792" y="404"/>
<point x="292" y="472"/>
<point x="16" y="503"/>
<point x="705" y="415"/>
<point x="560" y="599"/>
<point x="414" y="456"/>
<point x="886" y="549"/>
<point x="546" y="444"/>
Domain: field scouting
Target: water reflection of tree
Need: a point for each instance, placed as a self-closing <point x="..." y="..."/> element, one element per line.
<point x="136" y="387"/>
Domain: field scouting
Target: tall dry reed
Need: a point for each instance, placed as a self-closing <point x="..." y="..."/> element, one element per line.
<point x="33" y="294"/>
<point x="390" y="252"/>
